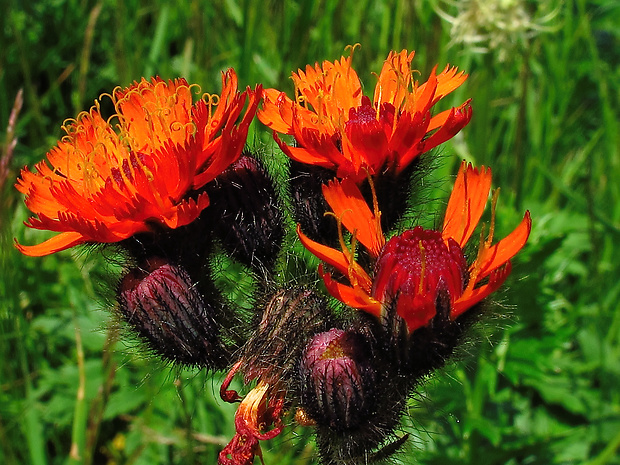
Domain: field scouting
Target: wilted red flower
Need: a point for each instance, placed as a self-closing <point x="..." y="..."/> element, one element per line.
<point x="337" y="127"/>
<point x="261" y="408"/>
<point x="418" y="267"/>
<point x="104" y="182"/>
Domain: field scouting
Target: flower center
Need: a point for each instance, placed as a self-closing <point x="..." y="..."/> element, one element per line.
<point x="363" y="114"/>
<point x="367" y="132"/>
<point x="417" y="270"/>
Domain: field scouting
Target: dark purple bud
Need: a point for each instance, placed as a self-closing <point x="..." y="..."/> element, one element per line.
<point x="160" y="302"/>
<point x="337" y="380"/>
<point x="246" y="213"/>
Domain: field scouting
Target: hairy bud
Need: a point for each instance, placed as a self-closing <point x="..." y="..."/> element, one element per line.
<point x="309" y="205"/>
<point x="289" y="319"/>
<point x="337" y="379"/>
<point x="161" y="303"/>
<point x="246" y="213"/>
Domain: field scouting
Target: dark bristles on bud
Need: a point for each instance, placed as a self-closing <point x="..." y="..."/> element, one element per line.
<point x="353" y="393"/>
<point x="160" y="302"/>
<point x="290" y="317"/>
<point x="415" y="355"/>
<point x="245" y="213"/>
<point x="337" y="380"/>
<point x="432" y="346"/>
<point x="396" y="191"/>
<point x="306" y="183"/>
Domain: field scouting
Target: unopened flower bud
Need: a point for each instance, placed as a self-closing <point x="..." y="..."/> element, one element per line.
<point x="161" y="303"/>
<point x="246" y="211"/>
<point x="337" y="380"/>
<point x="290" y="318"/>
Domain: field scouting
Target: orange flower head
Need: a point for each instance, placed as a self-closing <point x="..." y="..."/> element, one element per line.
<point x="337" y="127"/>
<point x="420" y="271"/>
<point x="105" y="182"/>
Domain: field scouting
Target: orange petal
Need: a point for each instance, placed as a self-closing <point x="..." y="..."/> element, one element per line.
<point x="330" y="89"/>
<point x="424" y="96"/>
<point x="395" y="79"/>
<point x="154" y="112"/>
<point x="456" y="120"/>
<point x="277" y="111"/>
<point x="256" y="411"/>
<point x="351" y="208"/>
<point x="57" y="243"/>
<point x="346" y="88"/>
<point x="315" y="148"/>
<point x="185" y="212"/>
<point x="448" y="80"/>
<point x="467" y="202"/>
<point x="469" y="298"/>
<point x="437" y="87"/>
<point x="305" y="156"/>
<point x="441" y="118"/>
<point x="498" y="254"/>
<point x="354" y="297"/>
<point x="338" y="260"/>
<point x="330" y="256"/>
<point x="228" y="98"/>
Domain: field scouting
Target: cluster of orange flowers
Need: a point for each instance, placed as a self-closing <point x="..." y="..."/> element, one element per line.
<point x="151" y="167"/>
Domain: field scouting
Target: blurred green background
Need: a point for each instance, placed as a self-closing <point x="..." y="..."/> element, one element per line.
<point x="539" y="386"/>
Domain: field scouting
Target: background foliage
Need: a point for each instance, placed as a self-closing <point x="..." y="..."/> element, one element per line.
<point x="537" y="387"/>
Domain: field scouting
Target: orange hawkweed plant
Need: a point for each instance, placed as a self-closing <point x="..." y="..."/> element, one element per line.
<point x="418" y="270"/>
<point x="166" y="178"/>
<point x="144" y="167"/>
<point x="337" y="127"/>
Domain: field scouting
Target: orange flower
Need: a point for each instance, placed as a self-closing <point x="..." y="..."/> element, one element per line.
<point x="105" y="182"/>
<point x="419" y="269"/>
<point x="337" y="127"/>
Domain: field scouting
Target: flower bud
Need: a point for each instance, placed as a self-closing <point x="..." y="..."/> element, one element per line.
<point x="419" y="276"/>
<point x="161" y="303"/>
<point x="289" y="319"/>
<point x="246" y="213"/>
<point x="337" y="380"/>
